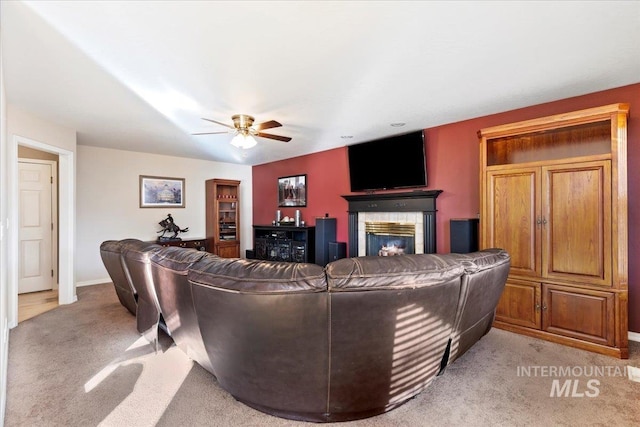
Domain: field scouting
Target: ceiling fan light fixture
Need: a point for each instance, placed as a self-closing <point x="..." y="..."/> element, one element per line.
<point x="244" y="141"/>
<point x="245" y="131"/>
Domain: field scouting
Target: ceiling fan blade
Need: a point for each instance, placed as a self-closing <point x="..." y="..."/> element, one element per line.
<point x="209" y="133"/>
<point x="219" y="123"/>
<point x="267" y="125"/>
<point x="271" y="136"/>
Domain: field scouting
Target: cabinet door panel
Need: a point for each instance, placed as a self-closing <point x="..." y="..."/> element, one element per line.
<point x="228" y="251"/>
<point x="520" y="304"/>
<point x="576" y="222"/>
<point x="512" y="215"/>
<point x="579" y="313"/>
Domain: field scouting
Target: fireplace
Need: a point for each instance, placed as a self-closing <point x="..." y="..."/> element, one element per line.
<point x="416" y="207"/>
<point x="389" y="238"/>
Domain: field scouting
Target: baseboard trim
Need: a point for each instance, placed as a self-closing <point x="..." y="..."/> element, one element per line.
<point x="634" y="336"/>
<point x="93" y="282"/>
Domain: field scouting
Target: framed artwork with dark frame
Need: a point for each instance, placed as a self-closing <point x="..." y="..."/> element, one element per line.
<point x="292" y="191"/>
<point x="161" y="192"/>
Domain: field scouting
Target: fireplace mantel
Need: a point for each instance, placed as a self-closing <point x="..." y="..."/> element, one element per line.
<point x="410" y="201"/>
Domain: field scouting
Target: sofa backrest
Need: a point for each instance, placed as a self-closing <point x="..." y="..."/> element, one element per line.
<point x="391" y="318"/>
<point x="136" y="257"/>
<point x="169" y="268"/>
<point x="485" y="275"/>
<point x="111" y="254"/>
<point x="265" y="327"/>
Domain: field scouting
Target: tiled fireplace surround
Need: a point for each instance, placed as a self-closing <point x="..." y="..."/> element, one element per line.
<point x="416" y="207"/>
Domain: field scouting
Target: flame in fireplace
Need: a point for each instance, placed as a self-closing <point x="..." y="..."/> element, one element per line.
<point x="391" y="250"/>
<point x="390" y="238"/>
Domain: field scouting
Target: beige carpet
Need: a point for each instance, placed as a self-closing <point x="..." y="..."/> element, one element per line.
<point x="85" y="365"/>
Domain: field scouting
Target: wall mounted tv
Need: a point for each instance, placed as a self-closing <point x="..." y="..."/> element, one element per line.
<point x="393" y="162"/>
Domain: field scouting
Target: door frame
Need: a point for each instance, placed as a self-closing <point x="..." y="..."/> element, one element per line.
<point x="66" y="223"/>
<point x="54" y="213"/>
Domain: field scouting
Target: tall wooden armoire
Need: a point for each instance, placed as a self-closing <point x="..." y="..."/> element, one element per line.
<point x="553" y="193"/>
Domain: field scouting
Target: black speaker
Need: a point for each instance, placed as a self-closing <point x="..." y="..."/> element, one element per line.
<point x="325" y="233"/>
<point x="250" y="254"/>
<point x="464" y="235"/>
<point x="337" y="250"/>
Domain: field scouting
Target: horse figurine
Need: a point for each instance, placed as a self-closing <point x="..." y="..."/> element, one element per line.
<point x="168" y="225"/>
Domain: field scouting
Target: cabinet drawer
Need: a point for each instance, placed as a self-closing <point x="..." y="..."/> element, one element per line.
<point x="579" y="313"/>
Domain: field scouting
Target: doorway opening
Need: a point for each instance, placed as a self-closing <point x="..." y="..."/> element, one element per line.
<point x="37" y="232"/>
<point x="65" y="229"/>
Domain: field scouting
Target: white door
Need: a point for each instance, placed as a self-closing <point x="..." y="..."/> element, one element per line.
<point x="35" y="228"/>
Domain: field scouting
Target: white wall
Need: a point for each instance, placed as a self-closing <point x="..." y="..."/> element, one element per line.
<point x="108" y="201"/>
<point x="4" y="321"/>
<point x="28" y="125"/>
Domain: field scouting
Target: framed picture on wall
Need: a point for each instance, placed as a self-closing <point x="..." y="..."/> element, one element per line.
<point x="292" y="191"/>
<point x="161" y="192"/>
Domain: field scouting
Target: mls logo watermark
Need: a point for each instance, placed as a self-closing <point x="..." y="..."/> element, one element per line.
<point x="572" y="388"/>
<point x="578" y="381"/>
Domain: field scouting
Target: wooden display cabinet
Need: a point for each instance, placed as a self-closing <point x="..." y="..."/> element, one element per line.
<point x="553" y="194"/>
<point x="223" y="217"/>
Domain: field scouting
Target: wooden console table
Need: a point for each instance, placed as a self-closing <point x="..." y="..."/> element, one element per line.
<point x="199" y="244"/>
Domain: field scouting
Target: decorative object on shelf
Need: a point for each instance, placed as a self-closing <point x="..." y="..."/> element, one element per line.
<point x="168" y="225"/>
<point x="286" y="221"/>
<point x="161" y="192"/>
<point x="292" y="191"/>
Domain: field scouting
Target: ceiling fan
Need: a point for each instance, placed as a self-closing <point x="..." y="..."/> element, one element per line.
<point x="245" y="130"/>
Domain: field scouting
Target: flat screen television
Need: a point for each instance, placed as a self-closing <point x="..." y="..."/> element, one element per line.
<point x="393" y="162"/>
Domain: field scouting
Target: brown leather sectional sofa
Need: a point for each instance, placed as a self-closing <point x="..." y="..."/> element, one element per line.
<point x="354" y="339"/>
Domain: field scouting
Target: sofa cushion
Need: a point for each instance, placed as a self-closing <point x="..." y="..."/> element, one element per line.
<point x="376" y="272"/>
<point x="482" y="260"/>
<point x="178" y="259"/>
<point x="256" y="276"/>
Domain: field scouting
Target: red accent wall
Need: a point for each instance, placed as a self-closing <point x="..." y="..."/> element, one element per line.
<point x="327" y="179"/>
<point x="452" y="166"/>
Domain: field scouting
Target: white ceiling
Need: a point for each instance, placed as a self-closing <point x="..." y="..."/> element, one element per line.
<point x="140" y="75"/>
